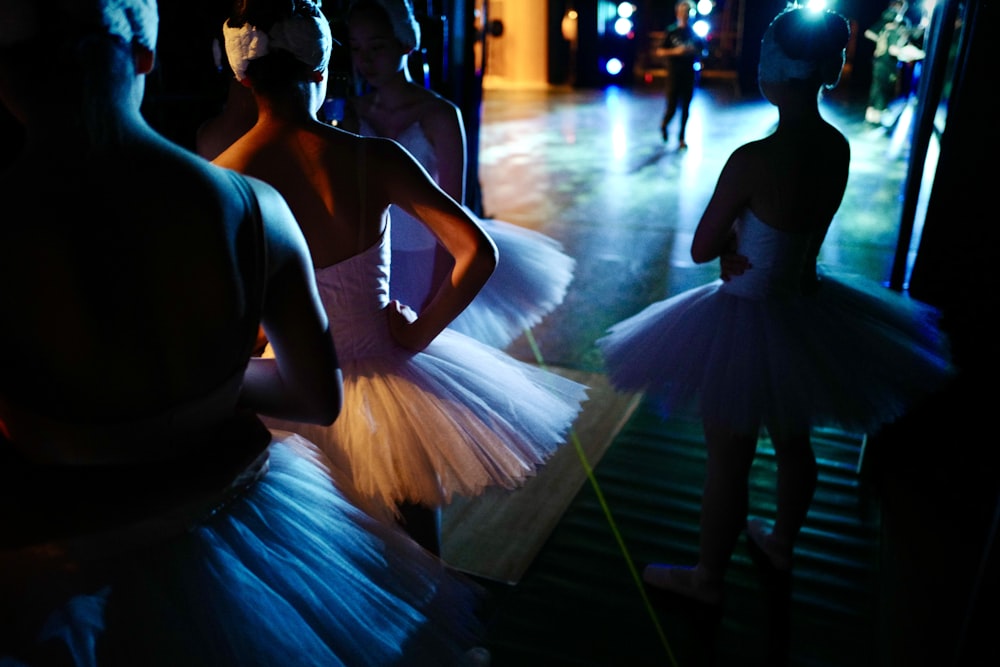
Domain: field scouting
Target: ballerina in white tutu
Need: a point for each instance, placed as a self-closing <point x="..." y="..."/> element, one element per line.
<point x="429" y="412"/>
<point x="149" y="517"/>
<point x="533" y="272"/>
<point x="776" y="343"/>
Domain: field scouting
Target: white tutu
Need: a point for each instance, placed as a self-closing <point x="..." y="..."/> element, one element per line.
<point x="852" y="354"/>
<point x="420" y="427"/>
<point x="290" y="572"/>
<point x="531" y="279"/>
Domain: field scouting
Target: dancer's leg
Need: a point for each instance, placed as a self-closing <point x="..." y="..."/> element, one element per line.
<point x="725" y="497"/>
<point x="723" y="516"/>
<point x="797" y="476"/>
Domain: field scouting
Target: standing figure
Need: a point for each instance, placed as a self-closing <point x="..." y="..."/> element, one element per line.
<point x="533" y="273"/>
<point x="428" y="412"/>
<point x="891" y="34"/>
<point x="149" y="517"/>
<point x="776" y="343"/>
<point x="683" y="49"/>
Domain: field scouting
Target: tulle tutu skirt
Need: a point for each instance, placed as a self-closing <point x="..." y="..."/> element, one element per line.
<point x="291" y="572"/>
<point x="852" y="355"/>
<point x="452" y="419"/>
<point x="530" y="281"/>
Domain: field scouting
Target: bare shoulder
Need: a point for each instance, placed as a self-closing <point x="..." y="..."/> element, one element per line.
<point x="749" y="158"/>
<point x="840" y="143"/>
<point x="384" y="162"/>
<point x="438" y="111"/>
<point x="381" y="151"/>
<point x="831" y="148"/>
<point x="438" y="103"/>
<point x="274" y="210"/>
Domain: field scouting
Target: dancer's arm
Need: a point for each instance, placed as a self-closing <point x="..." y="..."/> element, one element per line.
<point x="713" y="235"/>
<point x="303" y="380"/>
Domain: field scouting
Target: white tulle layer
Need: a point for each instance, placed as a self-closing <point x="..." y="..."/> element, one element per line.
<point x="291" y="573"/>
<point x="453" y="419"/>
<point x="530" y="281"/>
<point x="853" y="355"/>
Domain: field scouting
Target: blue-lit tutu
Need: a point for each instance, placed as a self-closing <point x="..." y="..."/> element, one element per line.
<point x="289" y="572"/>
<point x="757" y="350"/>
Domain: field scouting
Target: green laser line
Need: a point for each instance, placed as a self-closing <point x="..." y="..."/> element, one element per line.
<point x="607" y="513"/>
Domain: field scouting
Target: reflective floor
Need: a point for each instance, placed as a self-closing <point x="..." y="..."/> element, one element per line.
<point x="590" y="168"/>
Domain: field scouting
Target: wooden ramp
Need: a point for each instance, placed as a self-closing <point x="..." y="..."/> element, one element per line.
<point x="497" y="535"/>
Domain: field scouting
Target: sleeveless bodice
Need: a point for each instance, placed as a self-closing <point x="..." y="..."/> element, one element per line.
<point x="355" y="293"/>
<point x="410" y="233"/>
<point x="778" y="259"/>
<point x="415" y="141"/>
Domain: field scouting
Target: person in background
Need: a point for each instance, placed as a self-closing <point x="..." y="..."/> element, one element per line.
<point x="776" y="343"/>
<point x="683" y="50"/>
<point x="891" y="34"/>
<point x="533" y="273"/>
<point x="149" y="517"/>
<point x="429" y="412"/>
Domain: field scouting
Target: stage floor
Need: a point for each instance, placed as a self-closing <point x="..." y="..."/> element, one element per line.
<point x="590" y="169"/>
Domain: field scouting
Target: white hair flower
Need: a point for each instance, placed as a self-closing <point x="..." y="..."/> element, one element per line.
<point x="308" y="38"/>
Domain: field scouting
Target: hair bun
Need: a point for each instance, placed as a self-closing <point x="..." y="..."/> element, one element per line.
<point x="807" y="34"/>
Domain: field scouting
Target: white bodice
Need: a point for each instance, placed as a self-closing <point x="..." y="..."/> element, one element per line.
<point x="355" y="293"/>
<point x="778" y="260"/>
<point x="409" y="233"/>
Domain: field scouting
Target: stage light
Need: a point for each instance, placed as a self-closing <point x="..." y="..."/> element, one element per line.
<point x="614" y="66"/>
<point x="617" y="33"/>
<point x="705" y="7"/>
<point x="701" y="27"/>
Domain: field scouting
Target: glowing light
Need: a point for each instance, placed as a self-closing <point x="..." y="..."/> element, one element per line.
<point x="618" y="120"/>
<point x="816" y="5"/>
<point x="619" y="141"/>
<point x="705" y="7"/>
<point x="614" y="66"/>
<point x="701" y="27"/>
<point x="623" y="26"/>
<point x="626" y="10"/>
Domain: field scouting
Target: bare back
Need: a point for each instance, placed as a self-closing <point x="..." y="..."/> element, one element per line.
<point x="798" y="177"/>
<point x="123" y="296"/>
<point x="793" y="180"/>
<point x="318" y="169"/>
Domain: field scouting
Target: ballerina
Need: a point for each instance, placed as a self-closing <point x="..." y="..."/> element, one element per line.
<point x="776" y="342"/>
<point x="429" y="412"/>
<point x="533" y="274"/>
<point x="149" y="518"/>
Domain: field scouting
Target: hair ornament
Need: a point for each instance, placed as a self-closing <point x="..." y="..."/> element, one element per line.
<point x="817" y="38"/>
<point x="307" y="38"/>
<point x="131" y="20"/>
